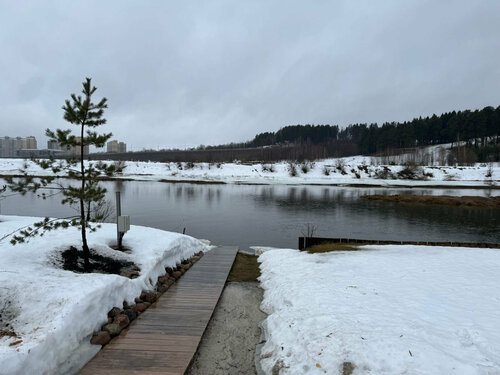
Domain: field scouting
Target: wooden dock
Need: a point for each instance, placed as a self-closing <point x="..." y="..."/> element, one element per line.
<point x="164" y="339"/>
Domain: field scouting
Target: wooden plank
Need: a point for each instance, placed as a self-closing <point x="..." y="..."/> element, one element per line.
<point x="165" y="337"/>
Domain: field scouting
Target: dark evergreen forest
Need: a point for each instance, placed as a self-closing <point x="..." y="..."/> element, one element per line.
<point x="479" y="129"/>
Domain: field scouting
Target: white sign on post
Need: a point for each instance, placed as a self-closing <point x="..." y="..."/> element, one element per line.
<point x="123" y="224"/>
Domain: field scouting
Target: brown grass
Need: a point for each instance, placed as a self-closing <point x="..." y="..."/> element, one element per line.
<point x="468" y="201"/>
<point x="4" y="333"/>
<point x="245" y="268"/>
<point x="328" y="247"/>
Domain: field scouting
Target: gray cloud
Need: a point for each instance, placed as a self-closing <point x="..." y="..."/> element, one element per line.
<point x="189" y="73"/>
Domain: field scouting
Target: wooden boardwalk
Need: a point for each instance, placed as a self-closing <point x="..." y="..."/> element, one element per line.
<point x="165" y="337"/>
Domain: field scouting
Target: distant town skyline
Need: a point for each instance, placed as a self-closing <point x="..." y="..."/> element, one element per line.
<point x="220" y="72"/>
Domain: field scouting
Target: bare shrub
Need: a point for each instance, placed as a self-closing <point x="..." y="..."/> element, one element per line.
<point x="306" y="166"/>
<point x="309" y="230"/>
<point x="268" y="168"/>
<point x="189" y="165"/>
<point x="489" y="171"/>
<point x="292" y="169"/>
<point x="412" y="171"/>
<point x="384" y="173"/>
<point x="363" y="168"/>
<point x="103" y="212"/>
<point x="340" y="165"/>
<point x="326" y="170"/>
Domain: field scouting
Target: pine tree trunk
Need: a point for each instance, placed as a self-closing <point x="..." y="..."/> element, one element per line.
<point x="85" y="247"/>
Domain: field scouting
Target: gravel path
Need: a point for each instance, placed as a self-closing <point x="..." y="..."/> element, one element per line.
<point x="228" y="345"/>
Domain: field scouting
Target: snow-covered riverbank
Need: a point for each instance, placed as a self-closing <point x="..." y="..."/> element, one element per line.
<point x="54" y="312"/>
<point x="382" y="310"/>
<point x="358" y="170"/>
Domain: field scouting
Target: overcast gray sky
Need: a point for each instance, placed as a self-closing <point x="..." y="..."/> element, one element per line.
<point x="180" y="74"/>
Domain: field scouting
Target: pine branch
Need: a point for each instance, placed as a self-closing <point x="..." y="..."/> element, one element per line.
<point x="29" y="230"/>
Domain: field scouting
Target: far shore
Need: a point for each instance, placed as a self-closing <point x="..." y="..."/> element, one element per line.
<point x="467" y="201"/>
<point x="372" y="183"/>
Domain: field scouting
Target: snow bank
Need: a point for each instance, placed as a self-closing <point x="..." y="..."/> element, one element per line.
<point x="386" y="309"/>
<point x="54" y="311"/>
<point x="359" y="170"/>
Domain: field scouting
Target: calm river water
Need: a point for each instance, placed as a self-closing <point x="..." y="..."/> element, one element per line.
<point x="248" y="215"/>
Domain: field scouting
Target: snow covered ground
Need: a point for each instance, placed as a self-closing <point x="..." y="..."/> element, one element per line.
<point x="357" y="170"/>
<point x="55" y="312"/>
<point x="385" y="309"/>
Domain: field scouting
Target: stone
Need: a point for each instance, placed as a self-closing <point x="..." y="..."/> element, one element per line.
<point x="177" y="275"/>
<point x="147" y="304"/>
<point x="110" y="320"/>
<point x="113" y="329"/>
<point x="185" y="267"/>
<point x="163" y="279"/>
<point x="169" y="270"/>
<point x="131" y="314"/>
<point x="122" y="320"/>
<point x="140" y="307"/>
<point x="150" y="297"/>
<point x="114" y="312"/>
<point x="137" y="300"/>
<point x="100" y="338"/>
<point x="170" y="282"/>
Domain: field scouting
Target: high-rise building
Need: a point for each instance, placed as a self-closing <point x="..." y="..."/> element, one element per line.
<point x="115" y="146"/>
<point x="112" y="146"/>
<point x="53" y="145"/>
<point x="9" y="146"/>
<point x="31" y="143"/>
<point x="76" y="150"/>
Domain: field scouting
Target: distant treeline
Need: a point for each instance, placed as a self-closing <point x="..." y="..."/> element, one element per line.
<point x="299" y="152"/>
<point x="479" y="130"/>
<point x="474" y="127"/>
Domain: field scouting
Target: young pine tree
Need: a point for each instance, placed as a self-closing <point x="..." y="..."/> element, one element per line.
<point x="86" y="195"/>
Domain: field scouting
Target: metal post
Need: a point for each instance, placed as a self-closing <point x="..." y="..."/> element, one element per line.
<point x="118" y="214"/>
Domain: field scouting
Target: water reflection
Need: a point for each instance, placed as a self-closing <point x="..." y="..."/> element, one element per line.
<point x="276" y="215"/>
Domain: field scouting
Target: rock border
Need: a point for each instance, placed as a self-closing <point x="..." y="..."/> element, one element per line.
<point x="120" y="318"/>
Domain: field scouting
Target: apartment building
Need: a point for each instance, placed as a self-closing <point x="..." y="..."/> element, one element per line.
<point x="115" y="146"/>
<point x="53" y="145"/>
<point x="9" y="146"/>
<point x="76" y="150"/>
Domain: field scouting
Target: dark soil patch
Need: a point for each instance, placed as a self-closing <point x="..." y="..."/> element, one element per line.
<point x="245" y="268"/>
<point x="468" y="201"/>
<point x="195" y="182"/>
<point x="72" y="260"/>
<point x="328" y="247"/>
<point x="348" y="368"/>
